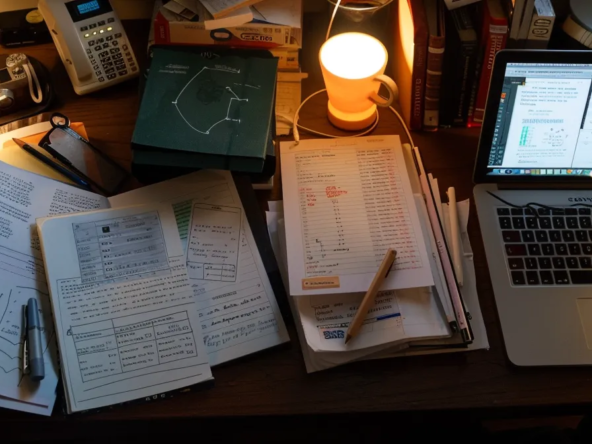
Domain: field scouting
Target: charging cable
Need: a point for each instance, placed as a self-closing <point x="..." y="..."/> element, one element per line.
<point x="37" y="97"/>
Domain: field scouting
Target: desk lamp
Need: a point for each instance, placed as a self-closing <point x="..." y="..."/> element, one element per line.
<point x="353" y="65"/>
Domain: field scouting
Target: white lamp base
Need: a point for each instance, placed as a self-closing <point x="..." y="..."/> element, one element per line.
<point x="351" y="121"/>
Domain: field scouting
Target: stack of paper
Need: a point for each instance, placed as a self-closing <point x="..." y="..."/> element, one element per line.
<point x="345" y="202"/>
<point x="148" y="289"/>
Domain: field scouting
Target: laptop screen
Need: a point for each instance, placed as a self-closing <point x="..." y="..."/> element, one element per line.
<point x="544" y="121"/>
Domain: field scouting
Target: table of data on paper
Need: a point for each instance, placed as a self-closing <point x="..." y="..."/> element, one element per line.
<point x="352" y="208"/>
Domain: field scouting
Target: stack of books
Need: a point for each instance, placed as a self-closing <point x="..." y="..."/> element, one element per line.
<point x="206" y="110"/>
<point x="445" y="82"/>
<point x="247" y="27"/>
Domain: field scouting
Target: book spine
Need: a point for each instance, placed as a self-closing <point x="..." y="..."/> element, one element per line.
<point x="162" y="32"/>
<point x="465" y="74"/>
<point x="541" y="25"/>
<point x="418" y="85"/>
<point x="496" y="41"/>
<point x="433" y="82"/>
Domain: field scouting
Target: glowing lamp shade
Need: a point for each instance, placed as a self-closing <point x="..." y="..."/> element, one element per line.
<point x="353" y="67"/>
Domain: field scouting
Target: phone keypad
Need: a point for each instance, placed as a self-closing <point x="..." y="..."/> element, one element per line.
<point x="113" y="55"/>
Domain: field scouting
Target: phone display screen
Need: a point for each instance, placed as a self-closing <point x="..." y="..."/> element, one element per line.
<point x="84" y="9"/>
<point x="88" y="162"/>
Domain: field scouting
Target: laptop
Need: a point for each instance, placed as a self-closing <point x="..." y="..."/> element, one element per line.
<point x="534" y="202"/>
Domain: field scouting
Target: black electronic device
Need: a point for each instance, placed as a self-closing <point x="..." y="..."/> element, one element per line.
<point x="23" y="27"/>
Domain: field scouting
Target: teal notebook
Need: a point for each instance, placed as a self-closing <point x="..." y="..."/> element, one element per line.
<point x="210" y="113"/>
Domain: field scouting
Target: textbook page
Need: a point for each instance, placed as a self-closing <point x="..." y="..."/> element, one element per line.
<point x="237" y="308"/>
<point x="346" y="202"/>
<point x="125" y="316"/>
<point x="25" y="196"/>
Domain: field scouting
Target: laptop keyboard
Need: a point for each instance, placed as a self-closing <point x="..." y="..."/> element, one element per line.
<point x="552" y="249"/>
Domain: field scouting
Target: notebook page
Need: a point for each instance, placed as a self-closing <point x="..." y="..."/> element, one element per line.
<point x="238" y="310"/>
<point x="126" y="322"/>
<point x="346" y="202"/>
<point x="25" y="196"/>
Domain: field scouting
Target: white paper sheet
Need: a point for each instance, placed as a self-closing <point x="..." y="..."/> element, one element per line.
<point x="346" y="202"/>
<point x="14" y="404"/>
<point x="221" y="8"/>
<point x="25" y="196"/>
<point x="238" y="311"/>
<point x="125" y="315"/>
<point x="316" y="361"/>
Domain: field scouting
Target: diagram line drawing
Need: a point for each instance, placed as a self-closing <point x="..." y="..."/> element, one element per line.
<point x="9" y="357"/>
<point x="8" y="371"/>
<point x="227" y="118"/>
<point x="249" y="86"/>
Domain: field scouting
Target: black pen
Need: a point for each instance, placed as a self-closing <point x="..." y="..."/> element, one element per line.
<point x="56" y="166"/>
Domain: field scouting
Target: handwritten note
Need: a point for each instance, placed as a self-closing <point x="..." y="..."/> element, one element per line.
<point x="347" y="202"/>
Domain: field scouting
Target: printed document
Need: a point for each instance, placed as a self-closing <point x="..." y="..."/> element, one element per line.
<point x="346" y="202"/>
<point x="25" y="196"/>
<point x="238" y="311"/>
<point x="124" y="312"/>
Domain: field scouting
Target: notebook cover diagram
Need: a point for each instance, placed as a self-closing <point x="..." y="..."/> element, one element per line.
<point x="214" y="107"/>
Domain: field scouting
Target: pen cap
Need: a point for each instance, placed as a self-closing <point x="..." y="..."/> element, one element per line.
<point x="32" y="314"/>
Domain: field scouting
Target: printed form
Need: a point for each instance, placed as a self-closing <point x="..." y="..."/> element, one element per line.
<point x="237" y="308"/>
<point x="346" y="202"/>
<point x="25" y="196"/>
<point x="125" y="316"/>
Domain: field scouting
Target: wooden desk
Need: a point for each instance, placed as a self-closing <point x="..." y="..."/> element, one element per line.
<point x="482" y="383"/>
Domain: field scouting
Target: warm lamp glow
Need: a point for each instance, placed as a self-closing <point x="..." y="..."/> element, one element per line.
<point x="353" y="65"/>
<point x="353" y="55"/>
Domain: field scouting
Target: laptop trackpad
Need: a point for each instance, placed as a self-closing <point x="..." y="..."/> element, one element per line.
<point x="585" y="310"/>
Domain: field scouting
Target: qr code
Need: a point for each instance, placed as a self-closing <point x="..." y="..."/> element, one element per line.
<point x="336" y="334"/>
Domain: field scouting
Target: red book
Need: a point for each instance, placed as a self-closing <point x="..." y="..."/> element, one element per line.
<point x="495" y="34"/>
<point x="409" y="61"/>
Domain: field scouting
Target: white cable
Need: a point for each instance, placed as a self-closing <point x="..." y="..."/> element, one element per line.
<point x="332" y="18"/>
<point x="404" y="125"/>
<point x="32" y="75"/>
<point x="318" y="133"/>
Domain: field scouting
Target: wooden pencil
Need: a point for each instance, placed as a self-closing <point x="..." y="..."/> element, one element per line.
<point x="383" y="270"/>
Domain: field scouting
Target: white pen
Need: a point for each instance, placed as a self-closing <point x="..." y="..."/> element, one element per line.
<point x="455" y="235"/>
<point x="463" y="325"/>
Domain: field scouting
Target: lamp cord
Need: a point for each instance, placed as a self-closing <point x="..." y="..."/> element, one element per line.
<point x="332" y="18"/>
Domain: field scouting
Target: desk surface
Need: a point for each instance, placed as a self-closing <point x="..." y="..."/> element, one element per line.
<point x="275" y="382"/>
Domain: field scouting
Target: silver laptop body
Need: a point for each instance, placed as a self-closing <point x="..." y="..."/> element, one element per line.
<point x="536" y="148"/>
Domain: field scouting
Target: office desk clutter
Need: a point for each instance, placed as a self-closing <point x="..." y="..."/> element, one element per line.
<point x="154" y="285"/>
<point x="342" y="198"/>
<point x="142" y="294"/>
